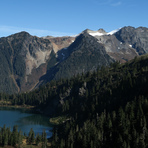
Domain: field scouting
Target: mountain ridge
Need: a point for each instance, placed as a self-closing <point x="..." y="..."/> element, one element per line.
<point x="28" y="61"/>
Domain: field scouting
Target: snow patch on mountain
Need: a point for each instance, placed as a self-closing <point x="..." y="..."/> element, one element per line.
<point x="98" y="33"/>
<point x="113" y="32"/>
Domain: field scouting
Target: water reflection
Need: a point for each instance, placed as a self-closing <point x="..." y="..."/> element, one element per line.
<point x="25" y="120"/>
<point x="34" y="119"/>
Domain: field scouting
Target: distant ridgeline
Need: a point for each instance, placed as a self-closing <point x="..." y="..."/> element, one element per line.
<point x="102" y="108"/>
<point x="27" y="62"/>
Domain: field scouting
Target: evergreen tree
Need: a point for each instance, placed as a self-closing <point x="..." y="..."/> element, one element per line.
<point x="15" y="135"/>
<point x="31" y="137"/>
<point x="38" y="139"/>
<point x="44" y="139"/>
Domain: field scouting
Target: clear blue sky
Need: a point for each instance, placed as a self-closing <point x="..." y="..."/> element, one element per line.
<point x="70" y="17"/>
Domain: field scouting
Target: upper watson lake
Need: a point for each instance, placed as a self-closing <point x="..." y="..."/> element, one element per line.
<point x="25" y="120"/>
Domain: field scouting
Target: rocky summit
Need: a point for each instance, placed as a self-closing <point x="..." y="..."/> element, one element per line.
<point x="28" y="61"/>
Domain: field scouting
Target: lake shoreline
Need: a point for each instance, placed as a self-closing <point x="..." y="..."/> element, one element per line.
<point x="8" y="103"/>
<point x="25" y="114"/>
<point x="18" y="106"/>
<point x="33" y="109"/>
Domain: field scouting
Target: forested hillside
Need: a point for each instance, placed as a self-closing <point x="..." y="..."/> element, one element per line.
<point x="113" y="111"/>
<point x="103" y="109"/>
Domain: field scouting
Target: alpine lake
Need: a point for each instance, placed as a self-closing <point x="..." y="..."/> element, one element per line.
<point x="25" y="120"/>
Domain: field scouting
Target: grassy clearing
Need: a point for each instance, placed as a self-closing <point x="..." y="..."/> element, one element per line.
<point x="59" y="120"/>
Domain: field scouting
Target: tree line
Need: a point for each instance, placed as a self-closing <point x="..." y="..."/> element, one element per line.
<point x="15" y="137"/>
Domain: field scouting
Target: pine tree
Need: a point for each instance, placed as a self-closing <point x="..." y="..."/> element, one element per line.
<point x="38" y="139"/>
<point x="31" y="136"/>
<point x="14" y="135"/>
<point x="20" y="138"/>
<point x="44" y="139"/>
<point x="5" y="139"/>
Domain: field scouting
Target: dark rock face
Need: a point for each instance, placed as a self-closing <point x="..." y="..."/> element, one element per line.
<point x="85" y="54"/>
<point x="22" y="56"/>
<point x="136" y="37"/>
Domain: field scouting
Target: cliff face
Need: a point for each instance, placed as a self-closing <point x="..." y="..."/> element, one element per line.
<point x="26" y="56"/>
<point x="137" y="38"/>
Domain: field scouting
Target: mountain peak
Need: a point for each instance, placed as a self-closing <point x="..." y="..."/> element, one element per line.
<point x="24" y="33"/>
<point x="87" y="31"/>
<point x="21" y="34"/>
<point x="101" y="30"/>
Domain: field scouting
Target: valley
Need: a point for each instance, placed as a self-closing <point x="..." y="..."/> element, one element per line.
<point x="93" y="87"/>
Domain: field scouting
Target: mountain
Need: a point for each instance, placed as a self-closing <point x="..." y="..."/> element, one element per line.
<point x="116" y="48"/>
<point x="137" y="38"/>
<point x="83" y="55"/>
<point x="23" y="60"/>
<point x="27" y="61"/>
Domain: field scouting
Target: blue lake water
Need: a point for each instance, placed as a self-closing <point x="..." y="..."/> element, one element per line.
<point x="25" y="121"/>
